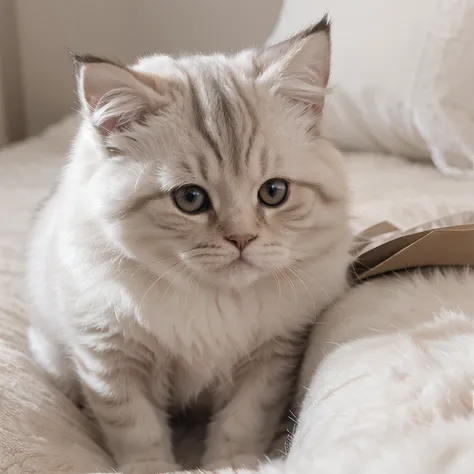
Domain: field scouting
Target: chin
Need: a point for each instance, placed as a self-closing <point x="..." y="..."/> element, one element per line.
<point x="237" y="275"/>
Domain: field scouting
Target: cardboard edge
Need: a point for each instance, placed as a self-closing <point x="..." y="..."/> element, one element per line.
<point x="374" y="271"/>
<point x="381" y="267"/>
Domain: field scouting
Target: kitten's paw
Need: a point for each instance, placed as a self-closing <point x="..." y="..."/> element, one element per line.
<point x="148" y="467"/>
<point x="248" y="461"/>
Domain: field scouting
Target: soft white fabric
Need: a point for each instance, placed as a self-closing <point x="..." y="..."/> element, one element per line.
<point x="402" y="75"/>
<point x="393" y="384"/>
<point x="42" y="432"/>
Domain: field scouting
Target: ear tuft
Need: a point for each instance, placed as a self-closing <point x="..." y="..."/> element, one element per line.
<point x="113" y="96"/>
<point x="80" y="59"/>
<point x="299" y="66"/>
<point x="324" y="25"/>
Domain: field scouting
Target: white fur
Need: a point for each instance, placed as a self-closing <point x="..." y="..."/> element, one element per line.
<point x="389" y="382"/>
<point x="123" y="304"/>
<point x="390" y="377"/>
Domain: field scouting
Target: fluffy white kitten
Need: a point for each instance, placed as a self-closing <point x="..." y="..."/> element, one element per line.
<point x="197" y="230"/>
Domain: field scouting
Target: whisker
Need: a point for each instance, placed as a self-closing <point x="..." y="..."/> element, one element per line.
<point x="155" y="282"/>
<point x="180" y="288"/>
<point x="191" y="279"/>
<point x="140" y="174"/>
<point x="194" y="316"/>
<point x="304" y="284"/>
<point x="290" y="283"/>
<point x="275" y="274"/>
<point x="184" y="253"/>
<point x="178" y="276"/>
<point x="311" y="278"/>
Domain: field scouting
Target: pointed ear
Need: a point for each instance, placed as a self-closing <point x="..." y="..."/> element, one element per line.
<point x="113" y="96"/>
<point x="299" y="66"/>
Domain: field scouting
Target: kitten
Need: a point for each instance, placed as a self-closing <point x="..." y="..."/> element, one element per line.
<point x="197" y="230"/>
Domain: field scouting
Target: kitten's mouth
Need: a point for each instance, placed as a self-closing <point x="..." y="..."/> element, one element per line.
<point x="240" y="262"/>
<point x="240" y="271"/>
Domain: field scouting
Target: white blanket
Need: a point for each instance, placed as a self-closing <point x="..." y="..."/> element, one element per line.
<point x="42" y="432"/>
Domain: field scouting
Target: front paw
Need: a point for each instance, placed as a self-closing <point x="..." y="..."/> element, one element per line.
<point x="248" y="461"/>
<point x="148" y="467"/>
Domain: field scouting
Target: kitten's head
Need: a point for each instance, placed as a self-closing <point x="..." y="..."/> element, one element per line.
<point x="213" y="166"/>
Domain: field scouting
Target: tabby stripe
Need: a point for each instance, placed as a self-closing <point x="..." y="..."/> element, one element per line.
<point x="200" y="121"/>
<point x="251" y="113"/>
<point x="226" y="121"/>
<point x="203" y="166"/>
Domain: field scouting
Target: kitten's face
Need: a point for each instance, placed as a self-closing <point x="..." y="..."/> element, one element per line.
<point x="226" y="184"/>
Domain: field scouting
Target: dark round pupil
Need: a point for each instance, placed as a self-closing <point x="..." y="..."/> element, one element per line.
<point x="190" y="196"/>
<point x="272" y="189"/>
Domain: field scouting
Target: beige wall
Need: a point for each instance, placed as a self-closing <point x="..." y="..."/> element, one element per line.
<point x="11" y="104"/>
<point x="122" y="29"/>
<point x="3" y="119"/>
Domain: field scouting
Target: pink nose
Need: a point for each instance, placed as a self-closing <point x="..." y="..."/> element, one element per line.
<point x="241" y="241"/>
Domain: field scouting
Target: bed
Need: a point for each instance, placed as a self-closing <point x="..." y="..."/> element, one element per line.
<point x="42" y="432"/>
<point x="407" y="103"/>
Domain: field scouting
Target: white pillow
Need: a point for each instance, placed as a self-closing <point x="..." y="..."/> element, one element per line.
<point x="402" y="75"/>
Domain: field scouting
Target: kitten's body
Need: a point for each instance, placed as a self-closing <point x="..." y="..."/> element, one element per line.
<point x="201" y="334"/>
<point x="149" y="307"/>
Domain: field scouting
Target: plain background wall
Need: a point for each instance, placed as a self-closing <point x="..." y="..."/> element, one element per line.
<point x="11" y="103"/>
<point x="122" y="29"/>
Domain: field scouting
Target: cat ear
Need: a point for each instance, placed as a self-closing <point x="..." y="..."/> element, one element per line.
<point x="113" y="96"/>
<point x="299" y="66"/>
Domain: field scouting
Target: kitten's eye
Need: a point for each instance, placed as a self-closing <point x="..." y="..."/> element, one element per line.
<point x="273" y="192"/>
<point x="191" y="199"/>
